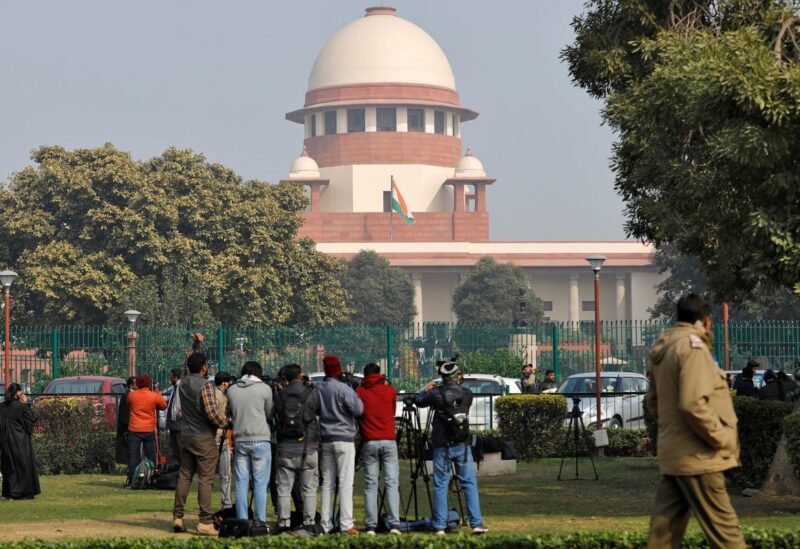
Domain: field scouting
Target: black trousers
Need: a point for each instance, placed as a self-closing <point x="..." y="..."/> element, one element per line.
<point x="174" y="451"/>
<point x="135" y="443"/>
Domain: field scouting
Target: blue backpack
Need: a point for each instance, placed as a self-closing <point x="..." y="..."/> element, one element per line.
<point x="143" y="475"/>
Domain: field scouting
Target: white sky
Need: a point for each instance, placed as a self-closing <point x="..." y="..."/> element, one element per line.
<point x="218" y="77"/>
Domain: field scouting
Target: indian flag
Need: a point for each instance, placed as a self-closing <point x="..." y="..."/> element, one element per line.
<point x="399" y="204"/>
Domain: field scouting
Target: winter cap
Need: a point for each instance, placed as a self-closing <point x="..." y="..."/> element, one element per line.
<point x="333" y="368"/>
<point x="448" y="369"/>
<point x="143" y="380"/>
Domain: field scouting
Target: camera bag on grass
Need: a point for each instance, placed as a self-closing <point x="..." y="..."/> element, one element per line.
<point x="166" y="477"/>
<point x="425" y="524"/>
<point x="143" y="475"/>
<point x="238" y="528"/>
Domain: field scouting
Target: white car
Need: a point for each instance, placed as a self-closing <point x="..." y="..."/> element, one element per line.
<point x="485" y="388"/>
<point x="319" y="377"/>
<point x="621" y="401"/>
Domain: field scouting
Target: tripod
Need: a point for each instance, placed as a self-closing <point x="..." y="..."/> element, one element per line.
<point x="409" y="429"/>
<point x="575" y="429"/>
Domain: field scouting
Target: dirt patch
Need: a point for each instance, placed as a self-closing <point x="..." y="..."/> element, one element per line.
<point x="131" y="526"/>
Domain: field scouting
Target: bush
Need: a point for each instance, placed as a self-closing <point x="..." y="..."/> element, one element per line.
<point x="533" y="422"/>
<point x="621" y="443"/>
<point x="791" y="428"/>
<point x="758" y="539"/>
<point x="72" y="437"/>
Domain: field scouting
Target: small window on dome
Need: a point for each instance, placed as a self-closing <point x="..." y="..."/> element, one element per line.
<point x="312" y="122"/>
<point x="387" y="120"/>
<point x="416" y="120"/>
<point x="330" y="122"/>
<point x="438" y="121"/>
<point x="355" y="120"/>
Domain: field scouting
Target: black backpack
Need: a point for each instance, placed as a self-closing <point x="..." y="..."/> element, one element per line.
<point x="238" y="528"/>
<point x="455" y="413"/>
<point x="291" y="416"/>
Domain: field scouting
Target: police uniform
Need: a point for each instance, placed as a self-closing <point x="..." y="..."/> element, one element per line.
<point x="697" y="439"/>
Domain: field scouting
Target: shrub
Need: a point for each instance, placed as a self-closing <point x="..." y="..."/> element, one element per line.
<point x="72" y="437"/>
<point x="533" y="422"/>
<point x="791" y="428"/>
<point x="621" y="443"/>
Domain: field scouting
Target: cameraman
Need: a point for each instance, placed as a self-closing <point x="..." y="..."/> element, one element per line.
<point x="339" y="408"/>
<point x="450" y="403"/>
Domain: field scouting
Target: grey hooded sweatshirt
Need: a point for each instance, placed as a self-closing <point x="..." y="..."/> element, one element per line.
<point x="250" y="402"/>
<point x="340" y="406"/>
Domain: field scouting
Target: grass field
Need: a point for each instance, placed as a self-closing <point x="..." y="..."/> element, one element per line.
<point x="532" y="501"/>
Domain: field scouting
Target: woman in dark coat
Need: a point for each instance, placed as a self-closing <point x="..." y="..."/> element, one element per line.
<point x="17" y="464"/>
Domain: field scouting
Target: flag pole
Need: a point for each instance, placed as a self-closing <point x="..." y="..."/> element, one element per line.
<point x="391" y="208"/>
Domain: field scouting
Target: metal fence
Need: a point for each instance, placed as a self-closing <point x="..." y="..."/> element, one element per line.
<point x="407" y="353"/>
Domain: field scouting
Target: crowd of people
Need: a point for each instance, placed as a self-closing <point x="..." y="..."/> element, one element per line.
<point x="290" y="438"/>
<point x="776" y="385"/>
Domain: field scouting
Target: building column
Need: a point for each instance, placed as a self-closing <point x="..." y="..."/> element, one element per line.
<point x="621" y="296"/>
<point x="417" y="278"/>
<point x="480" y="197"/>
<point x="574" y="298"/>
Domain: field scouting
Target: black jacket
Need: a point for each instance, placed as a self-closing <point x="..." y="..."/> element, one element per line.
<point x="435" y="401"/>
<point x="744" y="387"/>
<point x="309" y="417"/>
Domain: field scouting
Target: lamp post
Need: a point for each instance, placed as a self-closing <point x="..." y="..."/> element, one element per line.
<point x="7" y="278"/>
<point x="132" y="315"/>
<point x="596" y="263"/>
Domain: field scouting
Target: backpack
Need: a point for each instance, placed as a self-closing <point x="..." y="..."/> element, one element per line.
<point x="166" y="476"/>
<point x="456" y="417"/>
<point x="238" y="528"/>
<point x="291" y="416"/>
<point x="143" y="475"/>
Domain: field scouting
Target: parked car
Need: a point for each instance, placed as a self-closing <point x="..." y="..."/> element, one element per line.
<point x="104" y="387"/>
<point x="319" y="377"/>
<point x="622" y="398"/>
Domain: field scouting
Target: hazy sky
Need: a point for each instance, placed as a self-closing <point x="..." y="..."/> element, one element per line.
<point x="218" y="77"/>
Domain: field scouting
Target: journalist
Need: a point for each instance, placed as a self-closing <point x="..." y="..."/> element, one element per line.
<point x="339" y="408"/>
<point x="450" y="403"/>
<point x="379" y="447"/>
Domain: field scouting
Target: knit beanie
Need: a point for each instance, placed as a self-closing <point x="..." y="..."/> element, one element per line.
<point x="333" y="368"/>
<point x="448" y="369"/>
<point x="143" y="380"/>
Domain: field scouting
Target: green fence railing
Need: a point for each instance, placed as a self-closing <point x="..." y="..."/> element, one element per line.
<point x="407" y="353"/>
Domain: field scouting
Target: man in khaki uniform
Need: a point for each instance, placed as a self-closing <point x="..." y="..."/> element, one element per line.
<point x="697" y="433"/>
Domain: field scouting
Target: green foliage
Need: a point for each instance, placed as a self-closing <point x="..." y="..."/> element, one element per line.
<point x="621" y="443"/>
<point x="490" y="294"/>
<point x="533" y="422"/>
<point x="73" y="436"/>
<point x="379" y="293"/>
<point x="705" y="99"/>
<point x="754" y="538"/>
<point x="500" y="362"/>
<point x="791" y="429"/>
<point x="92" y="232"/>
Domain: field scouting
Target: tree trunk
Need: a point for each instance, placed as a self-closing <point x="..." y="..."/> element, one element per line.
<point x="781" y="479"/>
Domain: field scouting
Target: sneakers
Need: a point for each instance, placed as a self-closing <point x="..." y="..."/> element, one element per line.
<point x="440" y="533"/>
<point x="207" y="529"/>
<point x="370" y="532"/>
<point x="178" y="526"/>
<point x="479" y="529"/>
<point x="395" y="531"/>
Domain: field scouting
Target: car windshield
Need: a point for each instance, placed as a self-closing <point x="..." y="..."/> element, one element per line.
<point x="74" y="387"/>
<point x="587" y="385"/>
<point x="483" y="386"/>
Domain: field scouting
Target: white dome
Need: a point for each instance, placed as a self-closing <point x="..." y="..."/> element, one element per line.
<point x="469" y="166"/>
<point x="381" y="48"/>
<point x="304" y="167"/>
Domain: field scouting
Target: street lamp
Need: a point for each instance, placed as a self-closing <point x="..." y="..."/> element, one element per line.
<point x="596" y="263"/>
<point x="7" y="278"/>
<point x="132" y="315"/>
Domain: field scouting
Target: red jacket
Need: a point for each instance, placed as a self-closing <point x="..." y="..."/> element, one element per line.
<point x="380" y="400"/>
<point x="142" y="404"/>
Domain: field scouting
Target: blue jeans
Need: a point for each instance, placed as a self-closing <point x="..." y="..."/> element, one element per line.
<point x="443" y="458"/>
<point x="376" y="453"/>
<point x="252" y="458"/>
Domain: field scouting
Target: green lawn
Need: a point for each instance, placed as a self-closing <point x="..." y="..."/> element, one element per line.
<point x="532" y="501"/>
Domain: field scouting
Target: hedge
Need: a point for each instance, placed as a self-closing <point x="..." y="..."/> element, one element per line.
<point x="533" y="422"/>
<point x="758" y="539"/>
<point x="791" y="428"/>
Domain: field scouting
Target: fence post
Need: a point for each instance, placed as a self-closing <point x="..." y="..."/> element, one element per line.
<point x="220" y="348"/>
<point x="54" y="356"/>
<point x="555" y="350"/>
<point x="389" y="353"/>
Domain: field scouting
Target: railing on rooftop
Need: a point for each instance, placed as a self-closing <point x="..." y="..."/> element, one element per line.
<point x="407" y="353"/>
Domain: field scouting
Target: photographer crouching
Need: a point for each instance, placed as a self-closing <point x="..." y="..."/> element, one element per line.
<point x="450" y="402"/>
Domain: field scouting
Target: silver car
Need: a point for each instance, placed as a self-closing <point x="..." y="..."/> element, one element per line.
<point x="621" y="401"/>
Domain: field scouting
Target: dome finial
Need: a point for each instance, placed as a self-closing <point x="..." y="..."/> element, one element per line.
<point x="305" y="151"/>
<point x="469" y="152"/>
<point x="380" y="10"/>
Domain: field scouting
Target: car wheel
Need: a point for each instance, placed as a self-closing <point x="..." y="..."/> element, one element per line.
<point x="615" y="423"/>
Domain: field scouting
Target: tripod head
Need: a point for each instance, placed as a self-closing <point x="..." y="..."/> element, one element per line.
<point x="576" y="408"/>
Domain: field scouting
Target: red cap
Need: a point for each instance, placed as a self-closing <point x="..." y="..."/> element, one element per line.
<point x="143" y="380"/>
<point x="333" y="368"/>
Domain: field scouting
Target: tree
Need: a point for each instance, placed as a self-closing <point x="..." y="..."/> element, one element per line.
<point x="379" y="293"/>
<point x="91" y="231"/>
<point x="705" y="98"/>
<point x="683" y="274"/>
<point x="491" y="292"/>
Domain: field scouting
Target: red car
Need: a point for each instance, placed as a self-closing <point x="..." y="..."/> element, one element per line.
<point x="103" y="386"/>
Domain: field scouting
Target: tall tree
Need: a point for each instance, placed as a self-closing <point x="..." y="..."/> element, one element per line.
<point x="490" y="294"/>
<point x="91" y="228"/>
<point x="705" y="98"/>
<point x="379" y="293"/>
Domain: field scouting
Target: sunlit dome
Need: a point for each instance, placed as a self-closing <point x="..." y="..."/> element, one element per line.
<point x="378" y="48"/>
<point x="469" y="166"/>
<point x="304" y="167"/>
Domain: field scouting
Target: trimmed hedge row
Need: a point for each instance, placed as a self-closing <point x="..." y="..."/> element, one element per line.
<point x="534" y="422"/>
<point x="759" y="539"/>
<point x="791" y="428"/>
